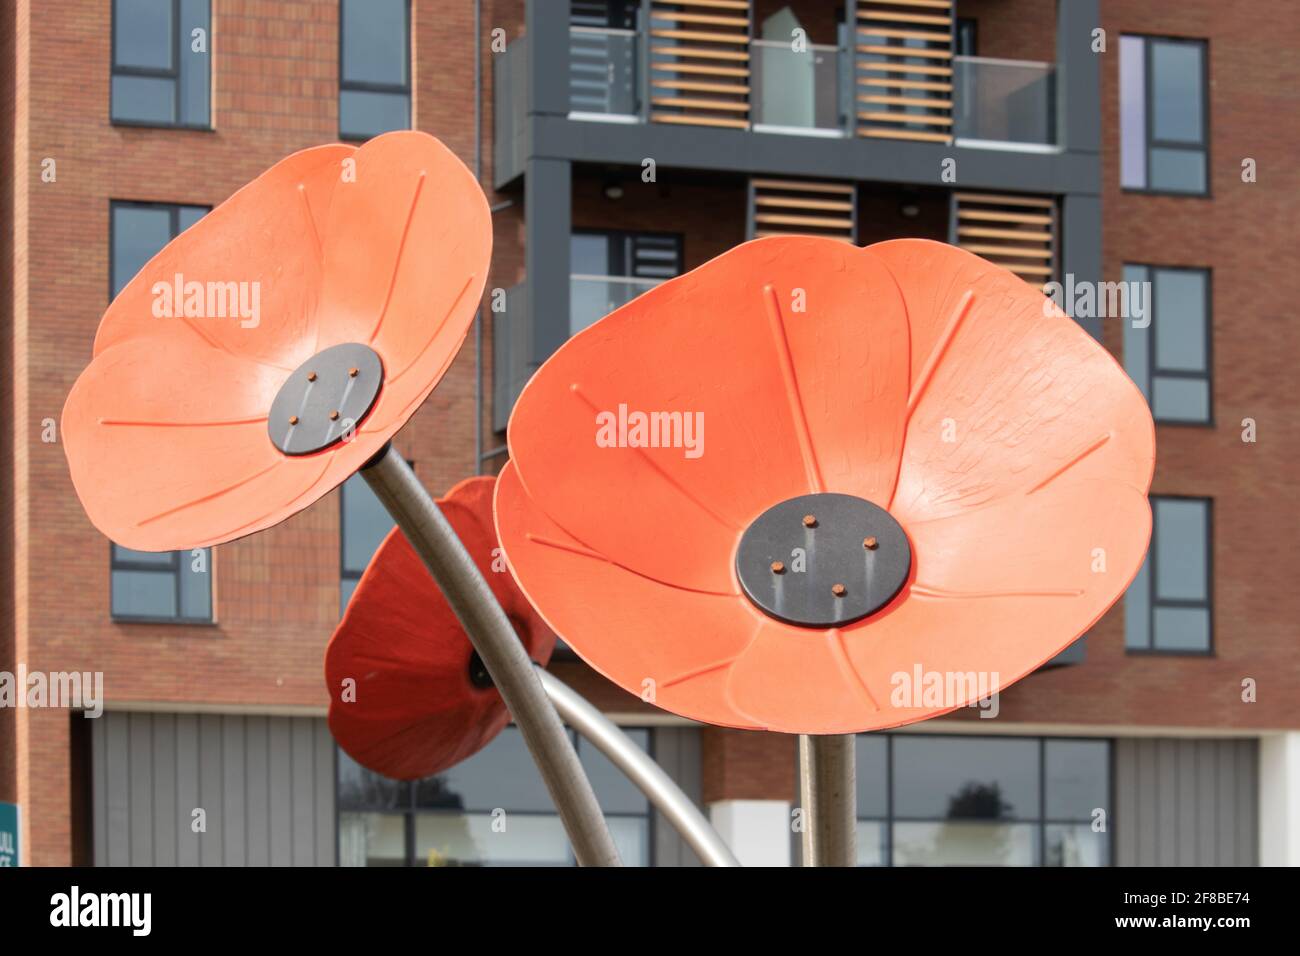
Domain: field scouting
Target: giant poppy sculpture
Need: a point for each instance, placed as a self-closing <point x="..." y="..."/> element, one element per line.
<point x="272" y="350"/>
<point x="409" y="695"/>
<point x="768" y="488"/>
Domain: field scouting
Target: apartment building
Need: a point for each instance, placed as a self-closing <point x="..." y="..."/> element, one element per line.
<point x="1080" y="143"/>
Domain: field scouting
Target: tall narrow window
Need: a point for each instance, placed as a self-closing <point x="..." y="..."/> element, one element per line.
<point x="1168" y="606"/>
<point x="153" y="586"/>
<point x="374" y="67"/>
<point x="363" y="524"/>
<point x="162" y="68"/>
<point x="1167" y="342"/>
<point x="1164" y="115"/>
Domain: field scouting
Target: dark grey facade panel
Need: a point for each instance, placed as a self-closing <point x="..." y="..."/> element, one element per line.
<point x="1186" y="802"/>
<point x="266" y="785"/>
<point x="677" y="750"/>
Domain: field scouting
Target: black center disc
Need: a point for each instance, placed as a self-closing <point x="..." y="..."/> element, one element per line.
<point x="823" y="560"/>
<point x="325" y="398"/>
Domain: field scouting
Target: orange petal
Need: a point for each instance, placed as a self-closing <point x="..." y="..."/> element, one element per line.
<point x="653" y="640"/>
<point x="1001" y="590"/>
<point x="406" y="250"/>
<point x="267" y="235"/>
<point x="168" y="448"/>
<point x="791" y="352"/>
<point x="800" y="681"/>
<point x="1007" y="391"/>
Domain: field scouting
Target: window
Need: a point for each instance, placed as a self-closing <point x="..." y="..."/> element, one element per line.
<point x="148" y="586"/>
<point x="1167" y="346"/>
<point x="173" y="586"/>
<point x="374" y="67"/>
<point x="447" y="820"/>
<point x="363" y="524"/>
<point x="1167" y="607"/>
<point x="929" y="800"/>
<point x="611" y="268"/>
<point x="162" y="73"/>
<point x="1164" y="115"/>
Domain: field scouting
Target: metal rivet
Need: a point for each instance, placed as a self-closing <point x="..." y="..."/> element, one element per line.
<point x="778" y="567"/>
<point x="839" y="590"/>
<point x="810" y="521"/>
<point x="334" y="416"/>
<point x="870" y="543"/>
<point x="311" y="376"/>
<point x="293" y="419"/>
<point x="352" y="373"/>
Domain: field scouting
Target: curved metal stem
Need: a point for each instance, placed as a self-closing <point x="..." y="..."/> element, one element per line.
<point x="489" y="629"/>
<point x="649" y="777"/>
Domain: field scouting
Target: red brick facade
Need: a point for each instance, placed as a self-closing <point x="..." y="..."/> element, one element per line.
<point x="275" y="90"/>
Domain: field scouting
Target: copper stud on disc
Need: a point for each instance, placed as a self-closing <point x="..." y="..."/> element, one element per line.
<point x="293" y="419"/>
<point x="334" y="416"/>
<point x="778" y="567"/>
<point x="839" y="590"/>
<point x="810" y="521"/>
<point x="311" y="376"/>
<point x="870" y="543"/>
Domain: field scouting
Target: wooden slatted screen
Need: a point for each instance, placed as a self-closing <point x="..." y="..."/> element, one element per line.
<point x="904" y="69"/>
<point x="782" y="207"/>
<point x="699" y="62"/>
<point x="1016" y="232"/>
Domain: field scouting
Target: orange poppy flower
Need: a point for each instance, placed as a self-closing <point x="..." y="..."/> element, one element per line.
<point x="419" y="699"/>
<point x="915" y="469"/>
<point x="272" y="348"/>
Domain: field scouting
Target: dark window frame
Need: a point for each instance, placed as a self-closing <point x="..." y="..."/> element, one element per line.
<point x="409" y="809"/>
<point x="1153" y="369"/>
<point x="358" y="86"/>
<point x="1149" y="139"/>
<point x="173" y="227"/>
<point x="618" y="251"/>
<point x="173" y="74"/>
<point x="1040" y="821"/>
<point x="176" y="571"/>
<point x="1154" y="602"/>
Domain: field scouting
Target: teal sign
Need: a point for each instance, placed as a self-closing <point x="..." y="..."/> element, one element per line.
<point x="8" y="834"/>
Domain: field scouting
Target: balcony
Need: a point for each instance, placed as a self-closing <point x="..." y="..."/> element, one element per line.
<point x="810" y="92"/>
<point x="1004" y="103"/>
<point x="593" y="297"/>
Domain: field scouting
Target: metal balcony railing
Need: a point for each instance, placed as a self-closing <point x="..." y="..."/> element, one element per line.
<point x="798" y="90"/>
<point x="1004" y="101"/>
<point x="593" y="297"/>
<point x="604" y="75"/>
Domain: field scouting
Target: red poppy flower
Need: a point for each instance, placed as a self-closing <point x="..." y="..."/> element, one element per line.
<point x="418" y="699"/>
<point x="913" y="465"/>
<point x="272" y="348"/>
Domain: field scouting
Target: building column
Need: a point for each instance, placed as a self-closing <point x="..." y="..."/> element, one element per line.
<point x="548" y="204"/>
<point x="1279" y="799"/>
<point x="749" y="787"/>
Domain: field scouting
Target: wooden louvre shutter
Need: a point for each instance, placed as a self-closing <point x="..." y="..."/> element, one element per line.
<point x="1016" y="232"/>
<point x="782" y="207"/>
<point x="904" y="69"/>
<point x="699" y="62"/>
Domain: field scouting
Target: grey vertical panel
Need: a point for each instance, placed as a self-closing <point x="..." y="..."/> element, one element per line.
<point x="117" y="764"/>
<point x="210" y="789"/>
<point x="1194" y="801"/>
<point x="1188" y="798"/>
<point x="187" y="789"/>
<point x="280" y="791"/>
<point x="257" y="768"/>
<point x="1080" y="243"/>
<point x="234" y="824"/>
<point x="1207" y="770"/>
<point x="548" y="218"/>
<point x="302" y="791"/>
<point x="677" y="750"/>
<point x="99" y="787"/>
<point x="140" y="788"/>
<point x="547" y="29"/>
<point x="164" y="790"/>
<point x="1125" y="823"/>
<point x="1248" y="804"/>
<point x="326" y="826"/>
<point x="1227" y="799"/>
